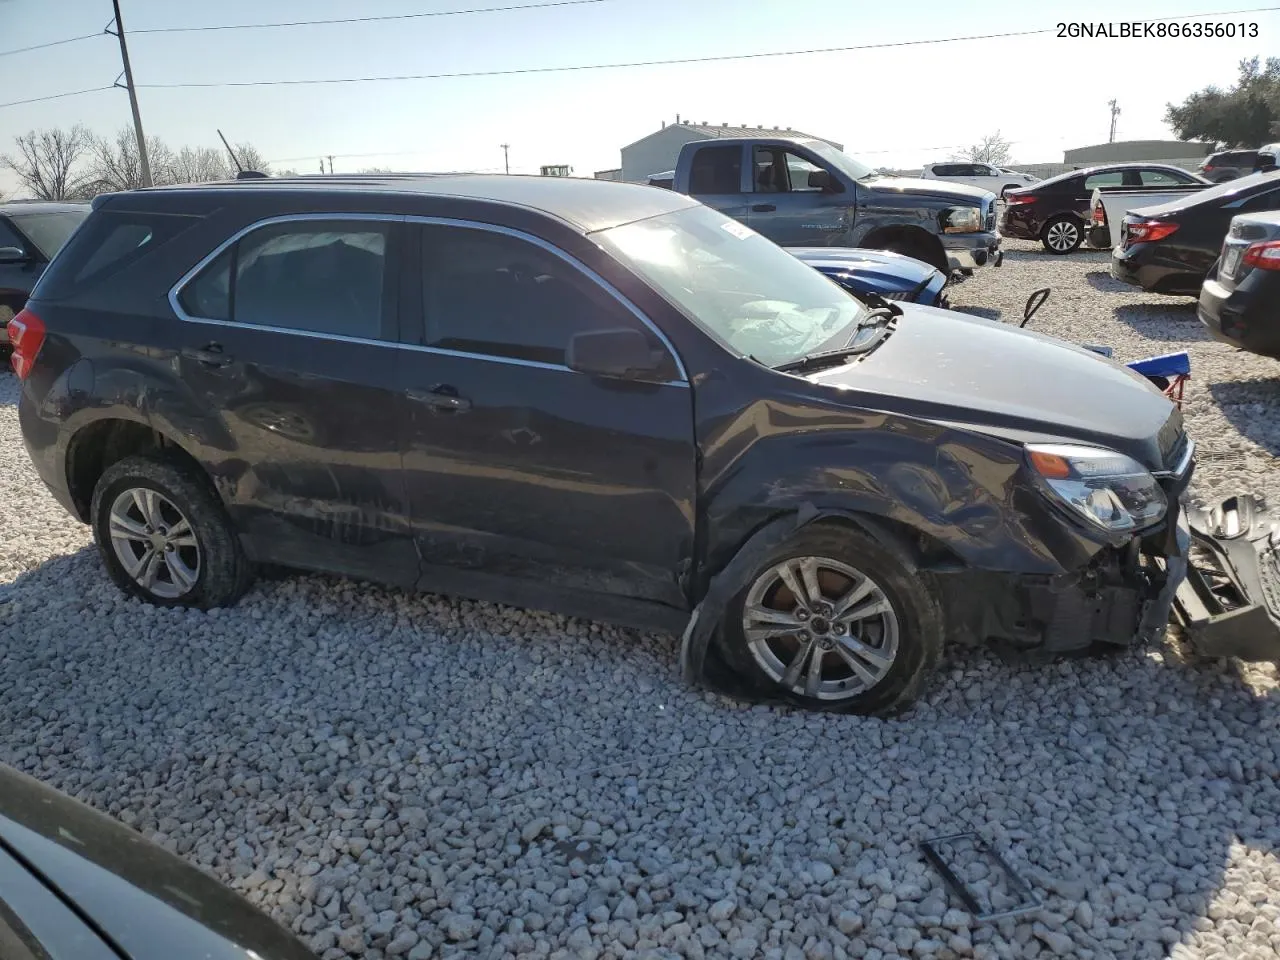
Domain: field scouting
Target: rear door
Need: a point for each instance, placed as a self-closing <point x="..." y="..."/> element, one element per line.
<point x="519" y="469"/>
<point x="715" y="178"/>
<point x="290" y="335"/>
<point x="788" y="209"/>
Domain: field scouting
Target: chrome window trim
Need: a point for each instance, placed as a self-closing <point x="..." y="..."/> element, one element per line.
<point x="176" y="290"/>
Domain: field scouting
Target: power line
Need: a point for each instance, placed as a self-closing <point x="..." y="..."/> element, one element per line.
<point x="519" y="71"/>
<point x="51" y="43"/>
<point x="610" y="66"/>
<point x="55" y="96"/>
<point x="391" y="16"/>
<point x="510" y="8"/>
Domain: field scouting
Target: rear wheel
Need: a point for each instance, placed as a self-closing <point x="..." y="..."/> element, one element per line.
<point x="165" y="537"/>
<point x="836" y="622"/>
<point x="1062" y="234"/>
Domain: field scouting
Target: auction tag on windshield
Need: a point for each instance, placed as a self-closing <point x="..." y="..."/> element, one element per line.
<point x="736" y="229"/>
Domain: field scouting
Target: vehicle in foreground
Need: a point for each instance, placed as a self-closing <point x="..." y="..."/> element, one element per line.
<point x="878" y="273"/>
<point x="1240" y="299"/>
<point x="31" y="232"/>
<point x="76" y="884"/>
<point x="1171" y="247"/>
<point x="595" y="398"/>
<point x="985" y="176"/>
<point x="806" y="193"/>
<point x="1108" y="206"/>
<point x="1228" y="165"/>
<point x="1056" y="211"/>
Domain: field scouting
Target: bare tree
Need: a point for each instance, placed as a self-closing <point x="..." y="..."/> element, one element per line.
<point x="992" y="148"/>
<point x="46" y="161"/>
<point x="199" y="165"/>
<point x="251" y="158"/>
<point x="115" y="165"/>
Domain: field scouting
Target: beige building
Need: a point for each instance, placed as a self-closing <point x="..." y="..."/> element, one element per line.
<point x="658" y="152"/>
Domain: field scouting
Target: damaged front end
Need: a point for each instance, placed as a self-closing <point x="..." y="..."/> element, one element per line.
<point x="1228" y="604"/>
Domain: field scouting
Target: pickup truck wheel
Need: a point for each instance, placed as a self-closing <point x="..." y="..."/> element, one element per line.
<point x="834" y="621"/>
<point x="1062" y="234"/>
<point x="165" y="537"/>
<point x="919" y="250"/>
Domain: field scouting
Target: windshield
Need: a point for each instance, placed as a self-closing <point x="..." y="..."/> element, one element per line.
<point x="854" y="169"/>
<point x="752" y="296"/>
<point x="49" y="231"/>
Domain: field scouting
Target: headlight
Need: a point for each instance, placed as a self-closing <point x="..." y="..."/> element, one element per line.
<point x="962" y="220"/>
<point x="1107" y="488"/>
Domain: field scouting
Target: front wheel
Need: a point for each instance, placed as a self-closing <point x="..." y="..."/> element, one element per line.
<point x="834" y="621"/>
<point x="1062" y="235"/>
<point x="165" y="537"/>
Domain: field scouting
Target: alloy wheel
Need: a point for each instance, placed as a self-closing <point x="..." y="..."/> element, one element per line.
<point x="1063" y="235"/>
<point x="154" y="542"/>
<point x="820" y="628"/>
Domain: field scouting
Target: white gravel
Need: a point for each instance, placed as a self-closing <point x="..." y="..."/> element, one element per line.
<point x="402" y="776"/>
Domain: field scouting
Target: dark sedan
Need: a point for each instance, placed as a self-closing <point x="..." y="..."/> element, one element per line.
<point x="1171" y="247"/>
<point x="1056" y="211"/>
<point x="31" y="232"/>
<point x="1240" y="299"/>
<point x="76" y="884"/>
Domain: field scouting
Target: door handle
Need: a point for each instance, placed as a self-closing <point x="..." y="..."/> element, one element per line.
<point x="443" y="398"/>
<point x="764" y="208"/>
<point x="210" y="355"/>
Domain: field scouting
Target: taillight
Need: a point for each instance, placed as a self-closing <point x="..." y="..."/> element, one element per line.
<point x="1013" y="199"/>
<point x="1148" y="231"/>
<point x="1099" y="215"/>
<point x="1264" y="256"/>
<point x="1208" y="168"/>
<point x="26" y="335"/>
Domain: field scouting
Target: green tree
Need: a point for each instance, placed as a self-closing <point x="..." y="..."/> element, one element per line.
<point x="1243" y="116"/>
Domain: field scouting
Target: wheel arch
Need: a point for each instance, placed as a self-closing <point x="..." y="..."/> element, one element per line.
<point x="99" y="444"/>
<point x="910" y="236"/>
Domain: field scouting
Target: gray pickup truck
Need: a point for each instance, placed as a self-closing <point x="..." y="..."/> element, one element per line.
<point x="806" y="193"/>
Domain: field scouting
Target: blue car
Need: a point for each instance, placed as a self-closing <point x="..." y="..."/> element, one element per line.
<point x="891" y="275"/>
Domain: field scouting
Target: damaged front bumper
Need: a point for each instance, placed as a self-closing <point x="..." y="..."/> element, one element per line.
<point x="1228" y="604"/>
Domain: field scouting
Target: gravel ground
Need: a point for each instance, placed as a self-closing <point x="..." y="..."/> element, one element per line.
<point x="394" y="775"/>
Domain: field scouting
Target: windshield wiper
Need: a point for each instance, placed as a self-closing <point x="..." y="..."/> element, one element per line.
<point x="832" y="357"/>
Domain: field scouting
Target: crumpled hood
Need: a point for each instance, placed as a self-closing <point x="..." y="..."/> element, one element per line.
<point x="994" y="378"/>
<point x="942" y="190"/>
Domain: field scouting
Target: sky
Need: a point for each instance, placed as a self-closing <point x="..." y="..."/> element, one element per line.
<point x="898" y="107"/>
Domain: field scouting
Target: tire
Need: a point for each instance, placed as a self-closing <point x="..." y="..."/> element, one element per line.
<point x="1062" y="234"/>
<point x="908" y="637"/>
<point x="200" y="565"/>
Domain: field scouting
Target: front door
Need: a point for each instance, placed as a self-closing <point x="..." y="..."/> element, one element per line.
<point x="519" y="469"/>
<point x="791" y="210"/>
<point x="290" y="336"/>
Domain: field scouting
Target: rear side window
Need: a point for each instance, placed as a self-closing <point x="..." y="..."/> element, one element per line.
<point x="312" y="276"/>
<point x="716" y="170"/>
<point x="108" y="242"/>
<point x="1112" y="179"/>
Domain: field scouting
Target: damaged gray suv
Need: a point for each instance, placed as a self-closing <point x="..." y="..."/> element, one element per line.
<point x="595" y="398"/>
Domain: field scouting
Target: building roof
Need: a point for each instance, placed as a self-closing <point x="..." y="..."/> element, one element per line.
<point x="586" y="204"/>
<point x="709" y="131"/>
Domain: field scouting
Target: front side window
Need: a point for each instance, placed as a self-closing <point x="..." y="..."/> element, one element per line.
<point x="9" y="237"/>
<point x="497" y="295"/>
<point x="314" y="276"/>
<point x="750" y="294"/>
<point x="715" y="170"/>
<point x="779" y="170"/>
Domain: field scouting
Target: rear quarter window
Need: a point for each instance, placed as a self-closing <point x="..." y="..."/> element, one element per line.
<point x="108" y="242"/>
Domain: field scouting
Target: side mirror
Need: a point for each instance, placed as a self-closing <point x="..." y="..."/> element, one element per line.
<point x="13" y="255"/>
<point x="623" y="354"/>
<point x="819" y="180"/>
<point x="1266" y="162"/>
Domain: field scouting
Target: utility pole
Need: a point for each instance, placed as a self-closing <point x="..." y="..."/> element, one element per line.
<point x="1115" y="112"/>
<point x="506" y="161"/>
<point x="143" y="162"/>
<point x="331" y="164"/>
